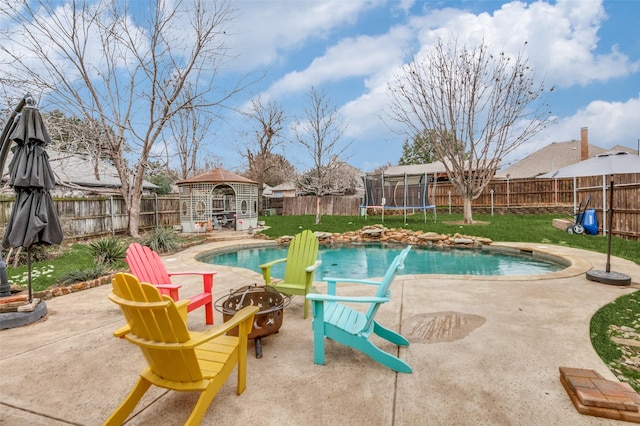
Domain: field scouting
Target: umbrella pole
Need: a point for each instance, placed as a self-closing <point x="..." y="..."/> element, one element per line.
<point x="608" y="267"/>
<point x="607" y="276"/>
<point x="29" y="273"/>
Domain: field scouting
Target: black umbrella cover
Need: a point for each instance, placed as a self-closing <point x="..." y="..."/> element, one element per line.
<point x="34" y="219"/>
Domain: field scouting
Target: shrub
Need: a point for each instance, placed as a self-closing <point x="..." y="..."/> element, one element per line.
<point x="162" y="240"/>
<point x="80" y="275"/>
<point x="107" y="251"/>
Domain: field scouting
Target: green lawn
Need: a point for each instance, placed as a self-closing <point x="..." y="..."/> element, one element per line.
<point x="514" y="228"/>
<point x="621" y="319"/>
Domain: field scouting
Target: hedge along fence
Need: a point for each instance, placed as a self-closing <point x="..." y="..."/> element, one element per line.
<point x="91" y="217"/>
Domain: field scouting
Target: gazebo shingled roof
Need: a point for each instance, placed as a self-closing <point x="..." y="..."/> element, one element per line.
<point x="217" y="176"/>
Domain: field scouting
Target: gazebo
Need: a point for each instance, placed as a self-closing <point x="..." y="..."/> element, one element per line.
<point x="218" y="198"/>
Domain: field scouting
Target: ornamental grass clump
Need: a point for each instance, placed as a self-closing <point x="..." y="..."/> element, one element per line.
<point x="162" y="240"/>
<point x="108" y="251"/>
<point x="81" y="275"/>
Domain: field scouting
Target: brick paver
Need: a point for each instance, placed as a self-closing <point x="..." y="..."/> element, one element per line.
<point x="594" y="395"/>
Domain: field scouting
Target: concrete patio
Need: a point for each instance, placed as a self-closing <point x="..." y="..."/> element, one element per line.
<point x="484" y="351"/>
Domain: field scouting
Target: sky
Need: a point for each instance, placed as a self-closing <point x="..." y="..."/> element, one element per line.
<point x="587" y="50"/>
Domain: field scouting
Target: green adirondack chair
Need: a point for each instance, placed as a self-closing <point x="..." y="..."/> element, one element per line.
<point x="301" y="263"/>
<point x="345" y="325"/>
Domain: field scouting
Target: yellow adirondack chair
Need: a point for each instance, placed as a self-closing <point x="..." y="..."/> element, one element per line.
<point x="301" y="263"/>
<point x="179" y="359"/>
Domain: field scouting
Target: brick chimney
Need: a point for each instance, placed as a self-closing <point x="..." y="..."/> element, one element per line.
<point x="584" y="143"/>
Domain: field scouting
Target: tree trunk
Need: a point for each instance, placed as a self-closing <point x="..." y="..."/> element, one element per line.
<point x="318" y="199"/>
<point x="134" y="217"/>
<point x="466" y="208"/>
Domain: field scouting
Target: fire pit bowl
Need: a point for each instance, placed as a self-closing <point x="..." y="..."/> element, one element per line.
<point x="268" y="319"/>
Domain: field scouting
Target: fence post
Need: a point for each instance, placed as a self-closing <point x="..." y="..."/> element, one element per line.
<point x="491" y="191"/>
<point x="449" y="202"/>
<point x="156" y="200"/>
<point x="113" y="225"/>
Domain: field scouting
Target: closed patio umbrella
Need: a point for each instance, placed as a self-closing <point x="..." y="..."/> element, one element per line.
<point x="611" y="163"/>
<point x="34" y="219"/>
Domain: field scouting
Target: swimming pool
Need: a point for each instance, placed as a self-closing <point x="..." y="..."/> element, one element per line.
<point x="372" y="260"/>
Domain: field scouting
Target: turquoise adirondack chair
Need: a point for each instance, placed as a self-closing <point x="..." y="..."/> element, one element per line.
<point x="301" y="263"/>
<point x="345" y="325"/>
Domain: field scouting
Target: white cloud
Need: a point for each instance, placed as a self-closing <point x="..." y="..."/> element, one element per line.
<point x="263" y="34"/>
<point x="609" y="123"/>
<point x="562" y="38"/>
<point x="356" y="57"/>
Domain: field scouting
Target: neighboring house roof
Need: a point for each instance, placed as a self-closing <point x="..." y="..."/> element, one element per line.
<point x="285" y="186"/>
<point x="619" y="148"/>
<point x="416" y="169"/>
<point x="217" y="176"/>
<point x="552" y="157"/>
<point x="78" y="169"/>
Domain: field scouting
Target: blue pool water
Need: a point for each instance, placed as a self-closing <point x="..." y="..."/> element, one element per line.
<point x="372" y="260"/>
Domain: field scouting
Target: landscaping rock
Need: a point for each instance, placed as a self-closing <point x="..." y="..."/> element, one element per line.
<point x="379" y="233"/>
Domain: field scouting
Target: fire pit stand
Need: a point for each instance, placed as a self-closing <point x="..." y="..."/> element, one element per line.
<point x="267" y="320"/>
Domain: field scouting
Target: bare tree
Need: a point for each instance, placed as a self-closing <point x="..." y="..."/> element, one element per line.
<point x="187" y="132"/>
<point x="74" y="135"/>
<point x="340" y="179"/>
<point x="320" y="131"/>
<point x="478" y="105"/>
<point x="125" y="70"/>
<point x="262" y="162"/>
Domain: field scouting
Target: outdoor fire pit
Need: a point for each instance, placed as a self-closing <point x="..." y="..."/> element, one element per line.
<point x="268" y="319"/>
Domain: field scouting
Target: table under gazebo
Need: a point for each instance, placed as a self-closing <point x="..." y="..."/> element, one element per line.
<point x="218" y="199"/>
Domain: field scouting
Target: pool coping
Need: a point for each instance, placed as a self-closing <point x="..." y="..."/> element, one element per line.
<point x="575" y="265"/>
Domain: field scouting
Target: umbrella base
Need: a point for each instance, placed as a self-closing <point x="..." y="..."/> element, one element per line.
<point x="18" y="319"/>
<point x="612" y="278"/>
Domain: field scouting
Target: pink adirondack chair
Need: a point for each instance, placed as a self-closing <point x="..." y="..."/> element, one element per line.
<point x="148" y="267"/>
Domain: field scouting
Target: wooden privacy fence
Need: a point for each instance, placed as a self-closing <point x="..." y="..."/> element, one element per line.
<point x="558" y="195"/>
<point x="507" y="196"/>
<point x="331" y="205"/>
<point x="516" y="192"/>
<point x="91" y="217"/>
<point x="626" y="202"/>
